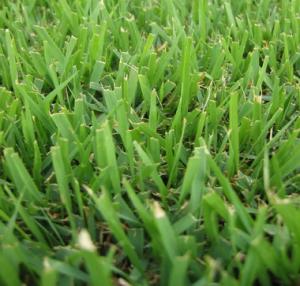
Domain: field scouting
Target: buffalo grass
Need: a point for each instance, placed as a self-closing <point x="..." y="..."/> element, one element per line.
<point x="149" y="142"/>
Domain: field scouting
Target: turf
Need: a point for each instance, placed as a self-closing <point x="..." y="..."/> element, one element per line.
<point x="149" y="142"/>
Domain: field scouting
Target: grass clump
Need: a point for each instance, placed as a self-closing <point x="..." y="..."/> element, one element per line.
<point x="149" y="142"/>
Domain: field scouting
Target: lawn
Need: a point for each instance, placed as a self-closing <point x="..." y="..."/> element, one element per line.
<point x="149" y="142"/>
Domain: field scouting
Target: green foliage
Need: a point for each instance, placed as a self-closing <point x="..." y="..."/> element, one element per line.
<point x="149" y="142"/>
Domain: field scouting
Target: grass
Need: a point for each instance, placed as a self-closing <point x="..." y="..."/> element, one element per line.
<point x="149" y="142"/>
